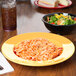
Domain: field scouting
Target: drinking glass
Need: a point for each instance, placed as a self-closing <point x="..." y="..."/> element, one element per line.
<point x="9" y="15"/>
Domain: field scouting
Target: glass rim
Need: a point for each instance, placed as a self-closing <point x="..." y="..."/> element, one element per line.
<point x="6" y="4"/>
<point x="7" y="1"/>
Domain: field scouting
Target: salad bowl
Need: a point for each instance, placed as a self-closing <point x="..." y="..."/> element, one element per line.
<point x="67" y="28"/>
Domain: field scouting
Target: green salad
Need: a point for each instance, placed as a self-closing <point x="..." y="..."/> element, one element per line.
<point x="60" y="19"/>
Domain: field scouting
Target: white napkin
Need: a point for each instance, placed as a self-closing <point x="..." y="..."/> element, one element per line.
<point x="4" y="63"/>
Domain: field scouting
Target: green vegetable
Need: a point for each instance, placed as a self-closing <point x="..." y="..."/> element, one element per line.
<point x="50" y="21"/>
<point x="69" y="22"/>
<point x="53" y="18"/>
<point x="63" y="20"/>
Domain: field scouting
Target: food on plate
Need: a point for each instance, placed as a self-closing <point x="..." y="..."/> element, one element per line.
<point x="52" y="3"/>
<point x="61" y="19"/>
<point x="38" y="49"/>
<point x="64" y="2"/>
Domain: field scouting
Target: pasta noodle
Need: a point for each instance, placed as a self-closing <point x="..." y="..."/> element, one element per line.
<point x="38" y="49"/>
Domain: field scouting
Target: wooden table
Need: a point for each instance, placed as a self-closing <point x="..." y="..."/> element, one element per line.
<point x="29" y="20"/>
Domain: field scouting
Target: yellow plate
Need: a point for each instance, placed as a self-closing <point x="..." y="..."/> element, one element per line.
<point x="68" y="48"/>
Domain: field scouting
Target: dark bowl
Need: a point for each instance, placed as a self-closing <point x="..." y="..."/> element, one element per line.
<point x="59" y="29"/>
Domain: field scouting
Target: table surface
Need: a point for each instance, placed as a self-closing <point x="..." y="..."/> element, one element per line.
<point x="29" y="20"/>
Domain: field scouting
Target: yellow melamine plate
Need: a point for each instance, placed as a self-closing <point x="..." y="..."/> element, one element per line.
<point x="68" y="48"/>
